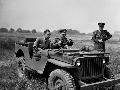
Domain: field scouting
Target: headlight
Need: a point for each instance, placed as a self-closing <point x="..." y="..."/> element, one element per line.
<point x="104" y="61"/>
<point x="78" y="63"/>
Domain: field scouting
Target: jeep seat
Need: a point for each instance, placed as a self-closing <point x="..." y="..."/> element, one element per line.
<point x="30" y="39"/>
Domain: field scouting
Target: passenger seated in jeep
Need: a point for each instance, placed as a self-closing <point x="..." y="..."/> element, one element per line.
<point x="62" y="42"/>
<point x="42" y="43"/>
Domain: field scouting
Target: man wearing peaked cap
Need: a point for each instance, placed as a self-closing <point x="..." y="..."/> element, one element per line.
<point x="63" y="42"/>
<point x="99" y="37"/>
<point x="101" y="24"/>
<point x="62" y="31"/>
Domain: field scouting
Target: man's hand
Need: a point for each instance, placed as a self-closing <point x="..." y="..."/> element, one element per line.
<point x="59" y="42"/>
<point x="35" y="48"/>
<point x="100" y="40"/>
<point x="66" y="46"/>
<point x="70" y="40"/>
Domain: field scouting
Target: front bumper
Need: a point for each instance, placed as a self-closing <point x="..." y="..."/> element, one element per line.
<point x="103" y="84"/>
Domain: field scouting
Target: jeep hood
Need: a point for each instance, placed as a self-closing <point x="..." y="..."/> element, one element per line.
<point x="70" y="56"/>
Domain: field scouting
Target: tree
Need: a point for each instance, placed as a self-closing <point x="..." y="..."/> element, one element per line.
<point x="25" y="31"/>
<point x="34" y="31"/>
<point x="19" y="30"/>
<point x="69" y="32"/>
<point x="4" y="30"/>
<point x="11" y="30"/>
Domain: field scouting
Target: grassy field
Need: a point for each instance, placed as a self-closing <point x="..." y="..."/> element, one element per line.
<point x="8" y="72"/>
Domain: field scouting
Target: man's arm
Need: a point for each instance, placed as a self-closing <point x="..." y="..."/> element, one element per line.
<point x="70" y="42"/>
<point x="94" y="39"/>
<point x="36" y="44"/>
<point x="56" y="45"/>
<point x="108" y="35"/>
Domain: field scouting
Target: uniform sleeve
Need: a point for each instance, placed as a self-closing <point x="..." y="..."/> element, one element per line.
<point x="108" y="35"/>
<point x="70" y="42"/>
<point x="55" y="46"/>
<point x="37" y="42"/>
<point x="94" y="39"/>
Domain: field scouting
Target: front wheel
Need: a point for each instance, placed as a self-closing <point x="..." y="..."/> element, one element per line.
<point x="61" y="80"/>
<point x="109" y="75"/>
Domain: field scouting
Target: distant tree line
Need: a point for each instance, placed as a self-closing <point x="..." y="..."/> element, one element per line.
<point x="19" y="30"/>
<point x="54" y="32"/>
<point x="69" y="32"/>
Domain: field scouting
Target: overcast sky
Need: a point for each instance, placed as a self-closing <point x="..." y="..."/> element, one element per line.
<point x="82" y="15"/>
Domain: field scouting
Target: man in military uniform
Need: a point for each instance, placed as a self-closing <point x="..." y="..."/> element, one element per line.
<point x="62" y="42"/>
<point x="42" y="43"/>
<point x="99" y="38"/>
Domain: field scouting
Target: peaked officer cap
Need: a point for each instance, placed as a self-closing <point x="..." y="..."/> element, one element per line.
<point x="101" y="24"/>
<point x="62" y="31"/>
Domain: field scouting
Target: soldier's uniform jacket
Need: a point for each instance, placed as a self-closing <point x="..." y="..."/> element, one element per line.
<point x="97" y="35"/>
<point x="64" y="41"/>
<point x="42" y="43"/>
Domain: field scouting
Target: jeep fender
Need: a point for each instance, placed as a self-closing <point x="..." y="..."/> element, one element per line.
<point x="60" y="63"/>
<point x="56" y="64"/>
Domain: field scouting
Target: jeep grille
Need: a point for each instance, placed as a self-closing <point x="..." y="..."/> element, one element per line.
<point x="92" y="66"/>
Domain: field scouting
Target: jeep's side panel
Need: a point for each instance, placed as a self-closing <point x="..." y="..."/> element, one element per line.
<point x="57" y="55"/>
<point x="24" y="49"/>
<point x="59" y="63"/>
<point x="40" y="61"/>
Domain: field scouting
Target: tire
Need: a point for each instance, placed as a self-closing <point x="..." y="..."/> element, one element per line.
<point x="61" y="80"/>
<point x="113" y="87"/>
<point x="28" y="74"/>
<point x="108" y="73"/>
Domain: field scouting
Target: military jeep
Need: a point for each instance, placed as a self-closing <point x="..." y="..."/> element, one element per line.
<point x="65" y="69"/>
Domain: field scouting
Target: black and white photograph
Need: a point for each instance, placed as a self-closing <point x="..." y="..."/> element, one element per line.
<point x="59" y="44"/>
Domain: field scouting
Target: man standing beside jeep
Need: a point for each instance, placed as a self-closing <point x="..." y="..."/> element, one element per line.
<point x="99" y="38"/>
<point x="62" y="42"/>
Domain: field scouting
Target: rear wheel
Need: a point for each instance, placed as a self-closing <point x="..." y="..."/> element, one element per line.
<point x="61" y="80"/>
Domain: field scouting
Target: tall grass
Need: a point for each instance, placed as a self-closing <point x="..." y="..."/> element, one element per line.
<point x="7" y="48"/>
<point x="9" y="79"/>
